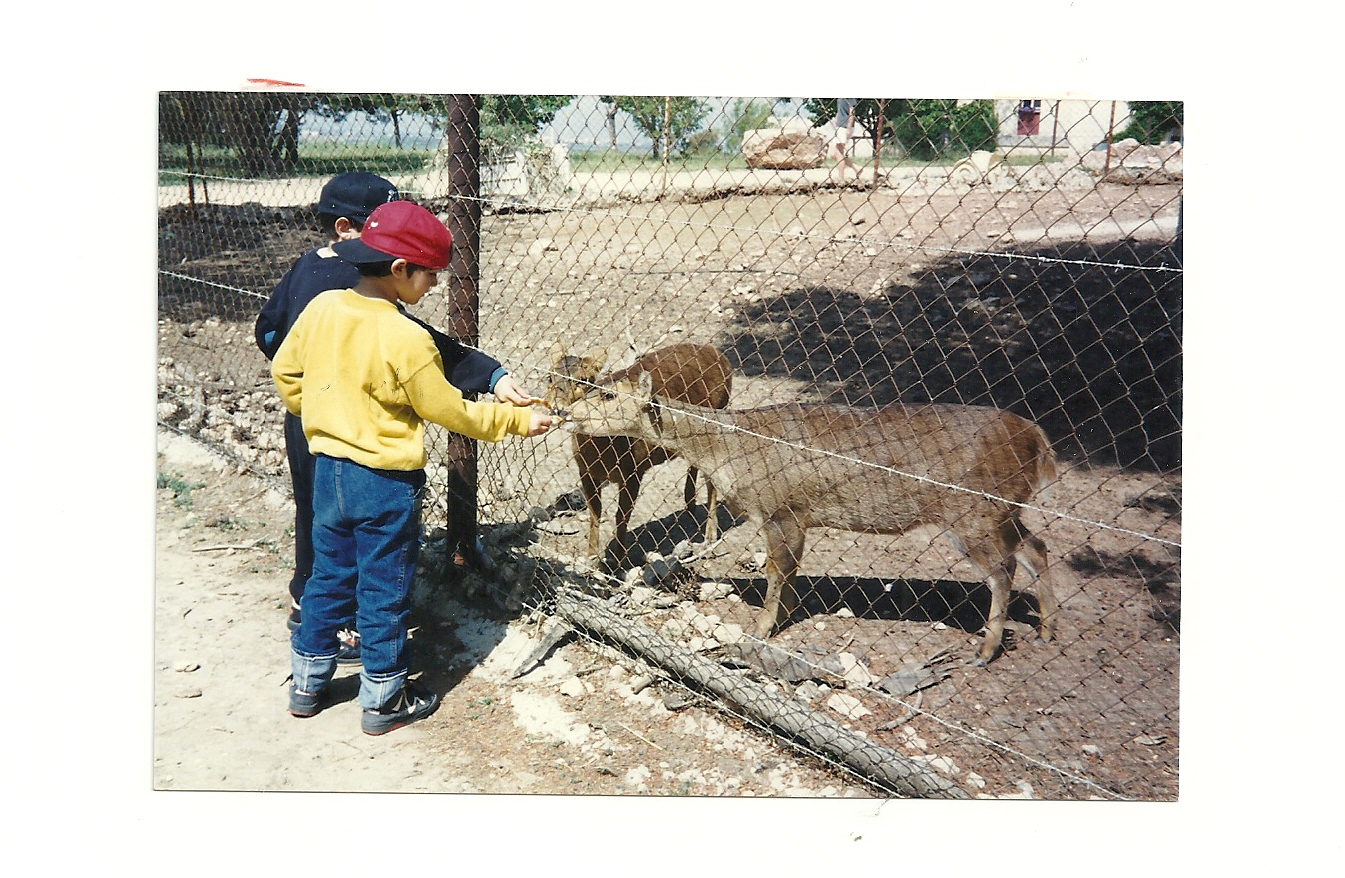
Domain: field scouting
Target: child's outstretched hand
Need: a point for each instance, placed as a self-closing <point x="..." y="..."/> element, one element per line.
<point x="507" y="390"/>
<point x="541" y="422"/>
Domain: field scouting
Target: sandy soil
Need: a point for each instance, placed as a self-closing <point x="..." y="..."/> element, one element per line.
<point x="576" y="723"/>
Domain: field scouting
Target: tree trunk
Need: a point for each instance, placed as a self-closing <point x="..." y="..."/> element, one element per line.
<point x="892" y="770"/>
<point x="290" y="138"/>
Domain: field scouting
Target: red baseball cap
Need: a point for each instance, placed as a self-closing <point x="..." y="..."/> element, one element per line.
<point x="400" y="230"/>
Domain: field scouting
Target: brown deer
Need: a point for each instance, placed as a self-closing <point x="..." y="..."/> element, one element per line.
<point x="688" y="373"/>
<point x="963" y="469"/>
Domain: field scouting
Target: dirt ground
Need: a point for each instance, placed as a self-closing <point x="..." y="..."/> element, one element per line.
<point x="574" y="724"/>
<point x="855" y="297"/>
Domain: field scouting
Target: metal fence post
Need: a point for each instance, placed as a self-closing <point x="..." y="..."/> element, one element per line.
<point x="464" y="272"/>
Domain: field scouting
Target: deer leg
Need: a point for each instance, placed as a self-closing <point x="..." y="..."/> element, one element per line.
<point x="627" y="491"/>
<point x="998" y="581"/>
<point x="784" y="548"/>
<point x="711" y="512"/>
<point x="592" y="491"/>
<point x="1032" y="554"/>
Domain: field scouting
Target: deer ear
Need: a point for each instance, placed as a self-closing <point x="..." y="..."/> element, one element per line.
<point x="597" y="358"/>
<point x="557" y="352"/>
<point x="645" y="384"/>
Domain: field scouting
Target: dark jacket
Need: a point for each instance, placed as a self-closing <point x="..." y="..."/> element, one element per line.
<point x="317" y="271"/>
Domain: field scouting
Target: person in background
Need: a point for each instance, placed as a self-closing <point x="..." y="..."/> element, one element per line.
<point x="839" y="149"/>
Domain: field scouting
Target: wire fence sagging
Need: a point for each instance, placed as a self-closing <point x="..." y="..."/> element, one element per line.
<point x="751" y="254"/>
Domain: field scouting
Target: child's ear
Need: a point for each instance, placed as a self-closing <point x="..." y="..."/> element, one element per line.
<point x="345" y="229"/>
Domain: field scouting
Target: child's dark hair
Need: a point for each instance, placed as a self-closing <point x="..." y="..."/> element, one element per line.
<point x="383" y="269"/>
<point x="327" y="224"/>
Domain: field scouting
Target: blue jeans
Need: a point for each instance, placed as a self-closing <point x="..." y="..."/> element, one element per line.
<point x="366" y="537"/>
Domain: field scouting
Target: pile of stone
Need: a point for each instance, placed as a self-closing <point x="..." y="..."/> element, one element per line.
<point x="1129" y="161"/>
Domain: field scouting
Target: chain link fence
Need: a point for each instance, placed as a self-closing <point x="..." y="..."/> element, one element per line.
<point x="1020" y="254"/>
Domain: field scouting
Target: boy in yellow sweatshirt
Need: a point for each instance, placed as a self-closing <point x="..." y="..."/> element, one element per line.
<point x="364" y="378"/>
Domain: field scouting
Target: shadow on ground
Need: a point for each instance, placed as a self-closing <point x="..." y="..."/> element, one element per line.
<point x="1089" y="350"/>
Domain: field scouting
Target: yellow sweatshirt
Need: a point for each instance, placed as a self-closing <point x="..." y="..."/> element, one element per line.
<point x="364" y="378"/>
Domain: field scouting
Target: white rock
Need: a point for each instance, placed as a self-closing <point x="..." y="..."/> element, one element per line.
<point x="911" y="739"/>
<point x="853" y="671"/>
<point x="710" y="591"/>
<point x="675" y="629"/>
<point x="727" y="632"/>
<point x="809" y="691"/>
<point x="573" y="688"/>
<point x="783" y="148"/>
<point x="847" y="706"/>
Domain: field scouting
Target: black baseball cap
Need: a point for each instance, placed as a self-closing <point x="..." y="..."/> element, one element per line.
<point x="354" y="195"/>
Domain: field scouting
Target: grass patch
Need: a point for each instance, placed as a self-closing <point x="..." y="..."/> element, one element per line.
<point x="180" y="487"/>
<point x="315" y="160"/>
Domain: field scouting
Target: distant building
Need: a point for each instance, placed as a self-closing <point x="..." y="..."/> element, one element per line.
<point x="1046" y="125"/>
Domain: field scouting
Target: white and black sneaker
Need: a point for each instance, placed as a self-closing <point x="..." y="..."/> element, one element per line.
<point x="412" y="703"/>
<point x="348" y="652"/>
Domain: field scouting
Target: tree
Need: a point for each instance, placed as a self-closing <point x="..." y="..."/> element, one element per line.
<point x="745" y="116"/>
<point x="925" y="129"/>
<point x="1154" y="121"/>
<point x="379" y="107"/>
<point x="261" y="128"/>
<point x="668" y="121"/>
<point x="506" y="121"/>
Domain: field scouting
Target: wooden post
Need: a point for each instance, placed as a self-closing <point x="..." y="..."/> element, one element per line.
<point x="1055" y="126"/>
<point x="877" y="140"/>
<point x="1106" y="163"/>
<point x="464" y="273"/>
<point x="667" y="140"/>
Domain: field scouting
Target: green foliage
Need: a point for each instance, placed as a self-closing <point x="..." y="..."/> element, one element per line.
<point x="261" y="129"/>
<point x="520" y="116"/>
<point x="668" y="122"/>
<point x="745" y="116"/>
<point x="1154" y="121"/>
<point x="318" y="160"/>
<point x="702" y="143"/>
<point x="937" y="129"/>
<point x="608" y="160"/>
<point x="926" y="129"/>
<point x="504" y="121"/>
<point x="180" y="487"/>
<point x="256" y="134"/>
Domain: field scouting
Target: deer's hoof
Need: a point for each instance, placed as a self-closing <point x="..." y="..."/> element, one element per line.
<point x="980" y="660"/>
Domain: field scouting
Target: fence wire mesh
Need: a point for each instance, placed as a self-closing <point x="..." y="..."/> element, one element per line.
<point x="1018" y="254"/>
